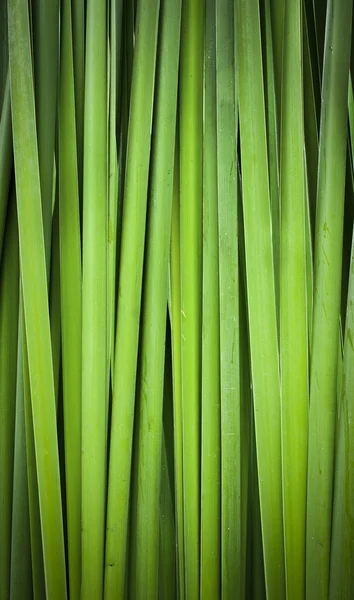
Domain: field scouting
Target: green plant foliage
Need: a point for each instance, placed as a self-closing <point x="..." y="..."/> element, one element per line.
<point x="176" y="300"/>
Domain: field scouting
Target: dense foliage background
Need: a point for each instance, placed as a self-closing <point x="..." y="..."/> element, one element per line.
<point x="176" y="299"/>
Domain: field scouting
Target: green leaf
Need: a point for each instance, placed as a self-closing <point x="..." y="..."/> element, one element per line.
<point x="293" y="304"/>
<point x="71" y="297"/>
<point x="176" y="339"/>
<point x="94" y="304"/>
<point x="227" y="131"/>
<point x="191" y="195"/>
<point x="261" y="292"/>
<point x="210" y="552"/>
<point x="34" y="286"/>
<point x="327" y="294"/>
<point x="9" y="305"/>
<point x="6" y="158"/>
<point x="144" y="570"/>
<point x="129" y="295"/>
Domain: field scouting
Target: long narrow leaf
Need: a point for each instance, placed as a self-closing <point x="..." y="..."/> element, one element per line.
<point x="175" y="319"/>
<point x="129" y="295"/>
<point x="261" y="292"/>
<point x="328" y="256"/>
<point x="210" y="551"/>
<point x="9" y="305"/>
<point x="32" y="258"/>
<point x="94" y="304"/>
<point x="70" y="289"/>
<point x="293" y="305"/>
<point x="6" y="159"/>
<point x="145" y="569"/>
<point x="227" y="123"/>
<point x="191" y="191"/>
<point x="20" y="579"/>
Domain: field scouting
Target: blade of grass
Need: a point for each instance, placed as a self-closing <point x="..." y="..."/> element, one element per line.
<point x="70" y="291"/>
<point x="210" y="552"/>
<point x="311" y="130"/>
<point x="339" y="390"/>
<point x="277" y="9"/>
<point x="309" y="261"/>
<point x="351" y="110"/>
<point x="129" y="295"/>
<point x="310" y="75"/>
<point x="78" y="42"/>
<point x="32" y="258"/>
<point x="246" y="415"/>
<point x="227" y="125"/>
<point x="4" y="50"/>
<point x="20" y="578"/>
<point x="33" y="492"/>
<point x="191" y="193"/>
<point x="115" y="91"/>
<point x="128" y="53"/>
<point x="122" y="137"/>
<point x="273" y="135"/>
<point x="261" y="292"/>
<point x="6" y="158"/>
<point x="175" y="319"/>
<point x="167" y="558"/>
<point x="94" y="304"/>
<point x="145" y="569"/>
<point x="54" y="297"/>
<point x="342" y="547"/>
<point x="45" y="39"/>
<point x="347" y="234"/>
<point x="293" y="305"/>
<point x="258" y="575"/>
<point x="9" y="303"/>
<point x="328" y="257"/>
<point x="167" y="553"/>
<point x="255" y="564"/>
